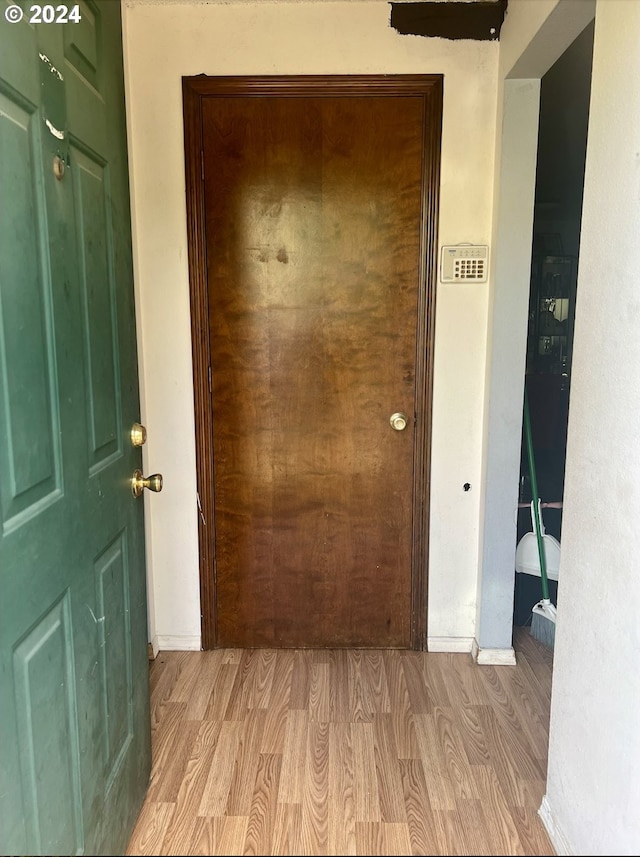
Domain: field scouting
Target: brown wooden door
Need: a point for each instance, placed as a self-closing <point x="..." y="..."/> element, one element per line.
<point x="315" y="220"/>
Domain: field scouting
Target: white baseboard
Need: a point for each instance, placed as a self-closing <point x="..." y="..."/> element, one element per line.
<point x="449" y="644"/>
<point x="493" y="657"/>
<point x="557" y="837"/>
<point x="170" y="643"/>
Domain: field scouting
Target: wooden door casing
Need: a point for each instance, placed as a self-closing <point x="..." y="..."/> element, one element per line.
<point x="312" y="249"/>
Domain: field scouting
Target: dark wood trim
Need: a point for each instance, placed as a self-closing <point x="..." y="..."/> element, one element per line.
<point x="196" y="88"/>
<point x="312" y="85"/>
<point x="425" y="341"/>
<point x="200" y="351"/>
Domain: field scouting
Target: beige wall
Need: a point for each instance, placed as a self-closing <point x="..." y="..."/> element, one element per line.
<point x="163" y="42"/>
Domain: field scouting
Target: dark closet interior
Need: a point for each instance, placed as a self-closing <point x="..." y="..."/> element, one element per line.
<point x="562" y="138"/>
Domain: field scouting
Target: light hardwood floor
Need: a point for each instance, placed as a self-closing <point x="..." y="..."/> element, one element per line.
<point x="328" y="752"/>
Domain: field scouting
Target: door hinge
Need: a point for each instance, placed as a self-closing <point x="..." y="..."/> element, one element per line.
<point x="210" y="388"/>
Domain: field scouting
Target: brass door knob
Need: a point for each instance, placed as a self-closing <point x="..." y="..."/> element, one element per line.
<point x="398" y="421"/>
<point x="140" y="482"/>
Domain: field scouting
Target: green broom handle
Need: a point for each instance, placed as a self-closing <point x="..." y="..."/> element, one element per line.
<point x="534" y="492"/>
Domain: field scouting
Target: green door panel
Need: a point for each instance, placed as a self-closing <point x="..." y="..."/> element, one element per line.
<point x="75" y="751"/>
<point x="31" y="453"/>
<point x="47" y="735"/>
<point x="97" y="293"/>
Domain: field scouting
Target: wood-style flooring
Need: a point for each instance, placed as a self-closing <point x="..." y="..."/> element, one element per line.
<point x="364" y="752"/>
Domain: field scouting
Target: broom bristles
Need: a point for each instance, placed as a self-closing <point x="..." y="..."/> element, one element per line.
<point x="543" y="629"/>
<point x="543" y="622"/>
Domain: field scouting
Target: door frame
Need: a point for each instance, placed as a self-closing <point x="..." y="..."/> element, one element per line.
<point x="196" y="88"/>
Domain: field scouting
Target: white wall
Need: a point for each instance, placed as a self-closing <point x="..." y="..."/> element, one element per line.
<point x="166" y="40"/>
<point x="506" y="347"/>
<point x="593" y="785"/>
<point x="593" y="788"/>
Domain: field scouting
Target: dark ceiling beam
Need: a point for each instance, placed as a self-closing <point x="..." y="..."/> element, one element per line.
<point x="479" y="19"/>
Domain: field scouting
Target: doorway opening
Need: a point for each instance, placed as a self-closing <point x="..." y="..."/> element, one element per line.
<point x="562" y="138"/>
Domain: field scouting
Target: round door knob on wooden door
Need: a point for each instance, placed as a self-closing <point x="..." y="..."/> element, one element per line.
<point x="140" y="482"/>
<point x="398" y="421"/>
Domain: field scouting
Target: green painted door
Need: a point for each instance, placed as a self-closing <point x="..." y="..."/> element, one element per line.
<point x="74" y="692"/>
